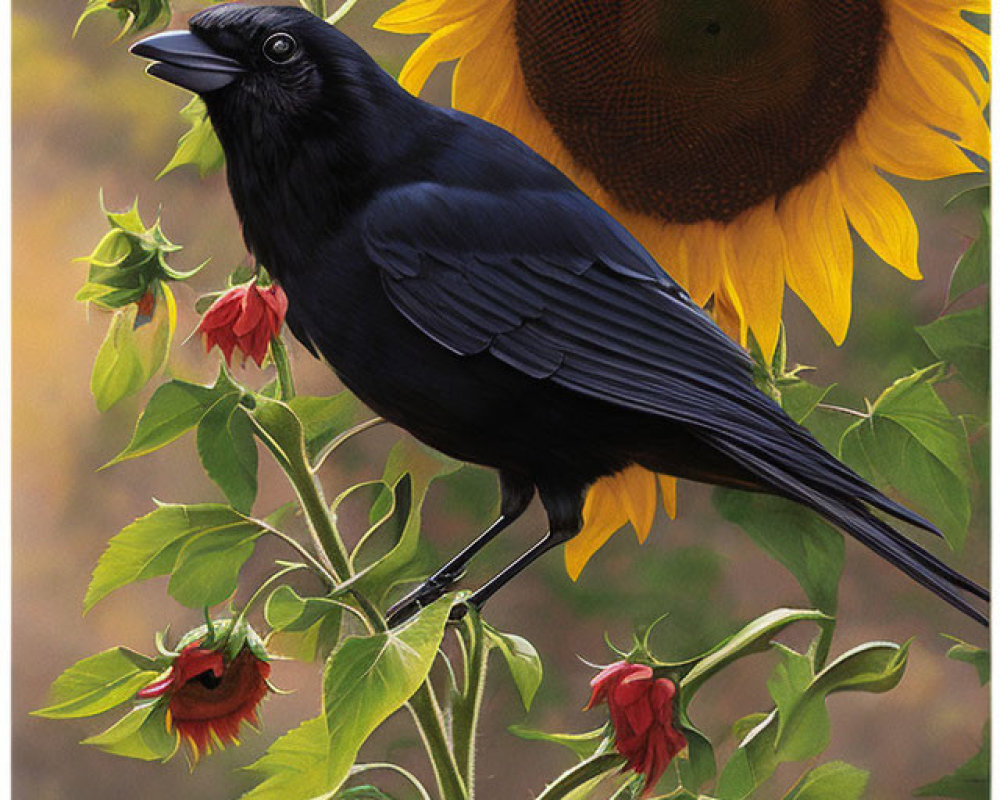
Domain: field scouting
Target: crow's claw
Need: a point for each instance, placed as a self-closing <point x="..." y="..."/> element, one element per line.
<point x="425" y="594"/>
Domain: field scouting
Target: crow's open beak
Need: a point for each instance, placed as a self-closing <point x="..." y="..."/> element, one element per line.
<point x="184" y="59"/>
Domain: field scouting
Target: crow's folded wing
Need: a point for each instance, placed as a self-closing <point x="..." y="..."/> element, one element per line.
<point x="550" y="284"/>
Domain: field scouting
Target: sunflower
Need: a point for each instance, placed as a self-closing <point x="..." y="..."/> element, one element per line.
<point x="739" y="140"/>
<point x="209" y="696"/>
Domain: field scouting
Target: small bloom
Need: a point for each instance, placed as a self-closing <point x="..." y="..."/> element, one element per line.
<point x="642" y="712"/>
<point x="209" y="696"/>
<point x="245" y="318"/>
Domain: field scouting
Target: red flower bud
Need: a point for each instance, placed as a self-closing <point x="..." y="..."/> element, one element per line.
<point x="245" y="318"/>
<point x="209" y="696"/>
<point x="642" y="713"/>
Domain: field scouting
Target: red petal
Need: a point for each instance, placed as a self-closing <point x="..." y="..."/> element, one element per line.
<point x="251" y="312"/>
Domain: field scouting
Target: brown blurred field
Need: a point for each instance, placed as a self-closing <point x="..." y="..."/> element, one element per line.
<point x="86" y="117"/>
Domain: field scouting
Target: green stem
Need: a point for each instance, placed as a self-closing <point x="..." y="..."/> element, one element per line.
<point x="258" y="594"/>
<point x="465" y="709"/>
<point x="361" y="427"/>
<point x="341" y="12"/>
<point x="582" y="773"/>
<point x="317" y="7"/>
<point x="310" y="559"/>
<point x="424" y="707"/>
<point x="279" y="355"/>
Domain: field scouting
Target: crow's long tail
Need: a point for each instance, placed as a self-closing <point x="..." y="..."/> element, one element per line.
<point x="852" y="516"/>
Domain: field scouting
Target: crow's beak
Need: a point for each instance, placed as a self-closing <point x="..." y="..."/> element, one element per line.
<point x="184" y="59"/>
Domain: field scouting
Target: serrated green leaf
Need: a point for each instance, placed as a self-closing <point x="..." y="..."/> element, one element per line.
<point x="833" y="781"/>
<point x="95" y="684"/>
<point x="962" y="339"/>
<point x="150" y="546"/>
<point x="174" y="408"/>
<point x="522" y="660"/>
<point x="796" y="537"/>
<point x="228" y="451"/>
<point x="368" y="678"/>
<point x="583" y="744"/>
<point x="294" y="766"/>
<point x="325" y="418"/>
<point x="141" y="734"/>
<point x="305" y="627"/>
<point x="208" y="565"/>
<point x="199" y="146"/>
<point x="971" y="781"/>
<point x="970" y="654"/>
<point x="913" y="443"/>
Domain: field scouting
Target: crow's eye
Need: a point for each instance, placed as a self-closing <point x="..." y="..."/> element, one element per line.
<point x="280" y="47"/>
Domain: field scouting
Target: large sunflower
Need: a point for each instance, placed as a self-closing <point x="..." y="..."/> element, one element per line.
<point x="739" y="140"/>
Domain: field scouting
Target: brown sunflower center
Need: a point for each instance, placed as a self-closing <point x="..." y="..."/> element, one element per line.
<point x="699" y="109"/>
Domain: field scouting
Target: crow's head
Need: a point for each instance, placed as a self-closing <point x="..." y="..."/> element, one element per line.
<point x="275" y="62"/>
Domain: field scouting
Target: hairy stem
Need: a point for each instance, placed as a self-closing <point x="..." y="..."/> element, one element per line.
<point x="427" y="714"/>
<point x="465" y="709"/>
<point x="279" y="355"/>
<point x="842" y="410"/>
<point x="308" y="557"/>
<point x="327" y="451"/>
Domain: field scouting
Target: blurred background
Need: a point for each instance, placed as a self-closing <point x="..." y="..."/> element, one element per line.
<point x="85" y="118"/>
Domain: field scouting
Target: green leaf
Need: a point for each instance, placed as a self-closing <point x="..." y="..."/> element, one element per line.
<point x="151" y="545"/>
<point x="199" y="146"/>
<point x="912" y="442"/>
<point x="833" y="781"/>
<point x="118" y="369"/>
<point x="133" y="15"/>
<point x="796" y="537"/>
<point x="294" y="766"/>
<point x="799" y="398"/>
<point x="970" y="654"/>
<point x="963" y="340"/>
<point x="522" y="660"/>
<point x="583" y="744"/>
<point x="208" y="565"/>
<point x="174" y="409"/>
<point x="973" y="268"/>
<point x="304" y="626"/>
<point x="368" y="678"/>
<point x="325" y="418"/>
<point x="423" y="465"/>
<point x="971" y="781"/>
<point x="754" y="637"/>
<point x="97" y="683"/>
<point x="228" y="451"/>
<point x="142" y="734"/>
<point x="799" y="728"/>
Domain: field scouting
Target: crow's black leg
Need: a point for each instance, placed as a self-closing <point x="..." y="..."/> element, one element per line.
<point x="515" y="496"/>
<point x="565" y="510"/>
<point x="492" y="586"/>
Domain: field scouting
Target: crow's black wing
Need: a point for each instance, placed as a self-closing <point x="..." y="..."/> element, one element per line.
<point x="550" y="284"/>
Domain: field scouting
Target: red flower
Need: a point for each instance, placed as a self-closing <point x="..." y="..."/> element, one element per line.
<point x="642" y="712"/>
<point x="245" y="318"/>
<point x="145" y="305"/>
<point x="210" y="696"/>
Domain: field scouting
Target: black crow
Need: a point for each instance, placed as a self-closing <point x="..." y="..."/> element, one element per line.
<point x="467" y="291"/>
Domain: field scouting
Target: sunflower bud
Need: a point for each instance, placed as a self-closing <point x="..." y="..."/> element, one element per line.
<point x="246" y="318"/>
<point x="642" y="713"/>
<point x="209" y="695"/>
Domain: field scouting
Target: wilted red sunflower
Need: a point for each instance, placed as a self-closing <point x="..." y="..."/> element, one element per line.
<point x="739" y="140"/>
<point x="209" y="696"/>
<point x="246" y="318"/>
<point x="642" y="713"/>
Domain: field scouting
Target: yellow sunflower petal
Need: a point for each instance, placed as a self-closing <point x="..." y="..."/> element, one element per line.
<point x="427" y="16"/>
<point x="820" y="258"/>
<point x="728" y="313"/>
<point x="756" y="260"/>
<point x="603" y="514"/>
<point x="877" y="212"/>
<point x="447" y="44"/>
<point x="699" y="258"/>
<point x="483" y="79"/>
<point x="636" y="488"/>
<point x="908" y="149"/>
<point x="668" y="488"/>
